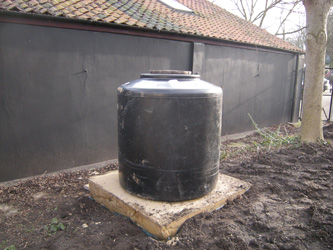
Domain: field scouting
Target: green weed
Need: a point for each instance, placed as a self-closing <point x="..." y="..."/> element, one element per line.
<point x="26" y="228"/>
<point x="274" y="139"/>
<point x="224" y="154"/>
<point x="4" y="243"/>
<point x="11" y="247"/>
<point x="269" y="140"/>
<point x="55" y="226"/>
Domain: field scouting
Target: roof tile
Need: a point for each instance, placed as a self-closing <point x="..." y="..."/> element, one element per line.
<point x="206" y="20"/>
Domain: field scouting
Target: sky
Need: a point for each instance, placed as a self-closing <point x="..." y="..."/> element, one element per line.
<point x="272" y="20"/>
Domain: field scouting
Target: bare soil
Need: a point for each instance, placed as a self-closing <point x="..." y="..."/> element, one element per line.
<point x="290" y="206"/>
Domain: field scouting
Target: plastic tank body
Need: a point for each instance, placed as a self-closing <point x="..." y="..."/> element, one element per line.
<point x="169" y="127"/>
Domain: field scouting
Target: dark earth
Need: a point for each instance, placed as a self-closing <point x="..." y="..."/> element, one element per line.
<point x="290" y="205"/>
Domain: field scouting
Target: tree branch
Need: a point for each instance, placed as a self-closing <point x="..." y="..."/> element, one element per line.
<point x="262" y="14"/>
<point x="286" y="17"/>
<point x="291" y="32"/>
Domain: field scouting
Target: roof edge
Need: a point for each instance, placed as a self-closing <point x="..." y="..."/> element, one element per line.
<point x="79" y="24"/>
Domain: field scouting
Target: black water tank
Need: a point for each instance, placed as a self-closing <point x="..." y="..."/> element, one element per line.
<point x="169" y="126"/>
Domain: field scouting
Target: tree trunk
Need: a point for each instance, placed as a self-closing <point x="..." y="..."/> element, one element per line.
<point x="316" y="39"/>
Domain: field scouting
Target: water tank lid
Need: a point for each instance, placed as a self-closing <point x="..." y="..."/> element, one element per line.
<point x="168" y="84"/>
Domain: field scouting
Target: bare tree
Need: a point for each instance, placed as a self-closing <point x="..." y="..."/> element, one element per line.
<point x="290" y="7"/>
<point x="297" y="37"/>
<point x="316" y="39"/>
<point x="256" y="12"/>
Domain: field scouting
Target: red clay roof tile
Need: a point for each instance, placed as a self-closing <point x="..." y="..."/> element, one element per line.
<point x="206" y="20"/>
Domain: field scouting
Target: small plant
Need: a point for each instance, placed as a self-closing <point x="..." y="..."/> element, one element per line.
<point x="11" y="247"/>
<point x="223" y="155"/>
<point x="26" y="228"/>
<point x="4" y="242"/>
<point x="274" y="139"/>
<point x="55" y="226"/>
<point x="224" y="152"/>
<point x="269" y="140"/>
<point x="323" y="142"/>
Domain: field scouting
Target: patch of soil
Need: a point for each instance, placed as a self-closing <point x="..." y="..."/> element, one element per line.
<point x="290" y="206"/>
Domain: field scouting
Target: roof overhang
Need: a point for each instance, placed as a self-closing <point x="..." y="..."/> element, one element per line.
<point x="71" y="23"/>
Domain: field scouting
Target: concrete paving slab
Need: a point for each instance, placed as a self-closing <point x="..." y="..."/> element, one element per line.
<point x="161" y="219"/>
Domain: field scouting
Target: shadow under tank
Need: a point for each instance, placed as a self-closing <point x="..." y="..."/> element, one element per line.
<point x="169" y="130"/>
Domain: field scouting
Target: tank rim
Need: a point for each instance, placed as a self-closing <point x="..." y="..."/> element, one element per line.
<point x="169" y="74"/>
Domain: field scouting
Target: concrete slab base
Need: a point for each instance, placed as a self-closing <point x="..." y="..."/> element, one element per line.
<point x="161" y="219"/>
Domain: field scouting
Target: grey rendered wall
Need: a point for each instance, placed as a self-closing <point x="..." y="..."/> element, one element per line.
<point x="58" y="105"/>
<point x="58" y="93"/>
<point x="259" y="83"/>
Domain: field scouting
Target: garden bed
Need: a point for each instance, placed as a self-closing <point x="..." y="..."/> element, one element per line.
<point x="290" y="206"/>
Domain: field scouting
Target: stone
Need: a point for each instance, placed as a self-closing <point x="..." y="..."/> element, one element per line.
<point x="8" y="210"/>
